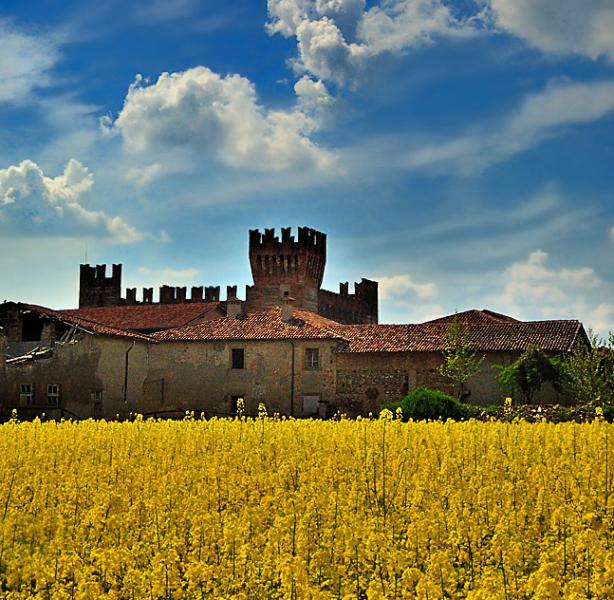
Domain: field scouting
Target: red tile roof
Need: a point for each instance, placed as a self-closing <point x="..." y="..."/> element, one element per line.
<point x="555" y="336"/>
<point x="476" y="316"/>
<point x="145" y="317"/>
<point x="262" y="325"/>
<point x="85" y="324"/>
<point x="487" y="335"/>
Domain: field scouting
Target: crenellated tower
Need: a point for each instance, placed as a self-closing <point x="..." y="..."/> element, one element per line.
<point x="282" y="269"/>
<point x="286" y="267"/>
<point x="96" y="289"/>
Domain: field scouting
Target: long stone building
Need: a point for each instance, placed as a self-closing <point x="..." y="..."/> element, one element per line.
<point x="300" y="349"/>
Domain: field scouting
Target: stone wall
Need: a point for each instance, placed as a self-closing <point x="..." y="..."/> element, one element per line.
<point x="365" y="382"/>
<point x="202" y="377"/>
<point x="83" y="368"/>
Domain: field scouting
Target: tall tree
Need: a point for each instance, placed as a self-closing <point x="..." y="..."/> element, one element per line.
<point x="589" y="370"/>
<point x="461" y="362"/>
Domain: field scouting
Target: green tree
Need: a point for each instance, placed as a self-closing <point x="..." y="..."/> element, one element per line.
<point x="461" y="363"/>
<point x="529" y="372"/>
<point x="589" y="370"/>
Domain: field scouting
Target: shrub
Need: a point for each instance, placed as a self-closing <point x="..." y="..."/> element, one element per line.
<point x="527" y="374"/>
<point x="425" y="403"/>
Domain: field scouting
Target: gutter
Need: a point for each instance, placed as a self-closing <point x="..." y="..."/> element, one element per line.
<point x="126" y="371"/>
<point x="292" y="381"/>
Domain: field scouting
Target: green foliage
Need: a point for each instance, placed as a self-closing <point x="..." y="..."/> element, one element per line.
<point x="529" y="372"/>
<point x="589" y="372"/>
<point x="460" y="362"/>
<point x="425" y="403"/>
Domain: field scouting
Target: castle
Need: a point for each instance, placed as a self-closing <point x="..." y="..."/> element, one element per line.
<point x="290" y="267"/>
<point x="301" y="350"/>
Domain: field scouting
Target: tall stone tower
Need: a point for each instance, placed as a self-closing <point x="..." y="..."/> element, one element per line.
<point x="287" y="267"/>
<point x="96" y="289"/>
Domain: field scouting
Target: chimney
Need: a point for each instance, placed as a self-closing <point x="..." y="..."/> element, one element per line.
<point x="233" y="308"/>
<point x="287" y="307"/>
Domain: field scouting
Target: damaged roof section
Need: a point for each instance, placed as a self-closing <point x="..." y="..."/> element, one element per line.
<point x="146" y="318"/>
<point x="86" y="325"/>
<point x="30" y="327"/>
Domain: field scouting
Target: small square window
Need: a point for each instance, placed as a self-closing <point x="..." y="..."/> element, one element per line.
<point x="53" y="394"/>
<point x="26" y="394"/>
<point x="312" y="358"/>
<point x="238" y="358"/>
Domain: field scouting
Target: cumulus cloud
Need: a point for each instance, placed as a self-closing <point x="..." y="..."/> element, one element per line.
<point x="559" y="26"/>
<point x="29" y="199"/>
<point x="339" y="40"/>
<point x="541" y="116"/>
<point x="403" y="286"/>
<point x="25" y="62"/>
<point x="198" y="113"/>
<point x="532" y="287"/>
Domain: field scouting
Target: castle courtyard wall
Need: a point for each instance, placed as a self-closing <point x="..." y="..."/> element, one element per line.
<point x="199" y="376"/>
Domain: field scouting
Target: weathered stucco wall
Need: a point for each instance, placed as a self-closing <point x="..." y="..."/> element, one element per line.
<point x="199" y="376"/>
<point x="365" y="382"/>
<point x="90" y="364"/>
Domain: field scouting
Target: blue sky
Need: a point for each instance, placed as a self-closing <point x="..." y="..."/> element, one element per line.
<point x="460" y="152"/>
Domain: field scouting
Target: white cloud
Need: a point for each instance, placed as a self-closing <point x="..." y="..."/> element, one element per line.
<point x="196" y="115"/>
<point x="612" y="233"/>
<point x="403" y="286"/>
<point x="541" y="116"/>
<point x="338" y="40"/>
<point x="532" y="287"/>
<point x="25" y="62"/>
<point x="559" y="26"/>
<point x="170" y="275"/>
<point x="29" y="199"/>
<point x="601" y="318"/>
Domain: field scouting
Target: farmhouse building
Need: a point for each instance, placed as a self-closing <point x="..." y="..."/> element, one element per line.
<point x="299" y="349"/>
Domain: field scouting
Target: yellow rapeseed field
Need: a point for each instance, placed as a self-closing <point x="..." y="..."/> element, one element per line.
<point x="275" y="508"/>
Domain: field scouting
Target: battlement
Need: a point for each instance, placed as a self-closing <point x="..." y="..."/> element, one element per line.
<point x="267" y="242"/>
<point x="96" y="289"/>
<point x="282" y="265"/>
<point x="169" y="294"/>
<point x="344" y="307"/>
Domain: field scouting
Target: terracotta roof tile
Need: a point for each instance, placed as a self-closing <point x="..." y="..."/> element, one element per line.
<point x="555" y="336"/>
<point x="262" y="325"/>
<point x="85" y="324"/>
<point x="144" y="317"/>
<point x="477" y="317"/>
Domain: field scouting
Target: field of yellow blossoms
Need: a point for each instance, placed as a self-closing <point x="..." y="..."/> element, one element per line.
<point x="274" y="508"/>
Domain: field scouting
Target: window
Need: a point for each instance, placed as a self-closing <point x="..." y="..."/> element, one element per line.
<point x="53" y="394"/>
<point x="238" y="358"/>
<point x="312" y="358"/>
<point x="26" y="394"/>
